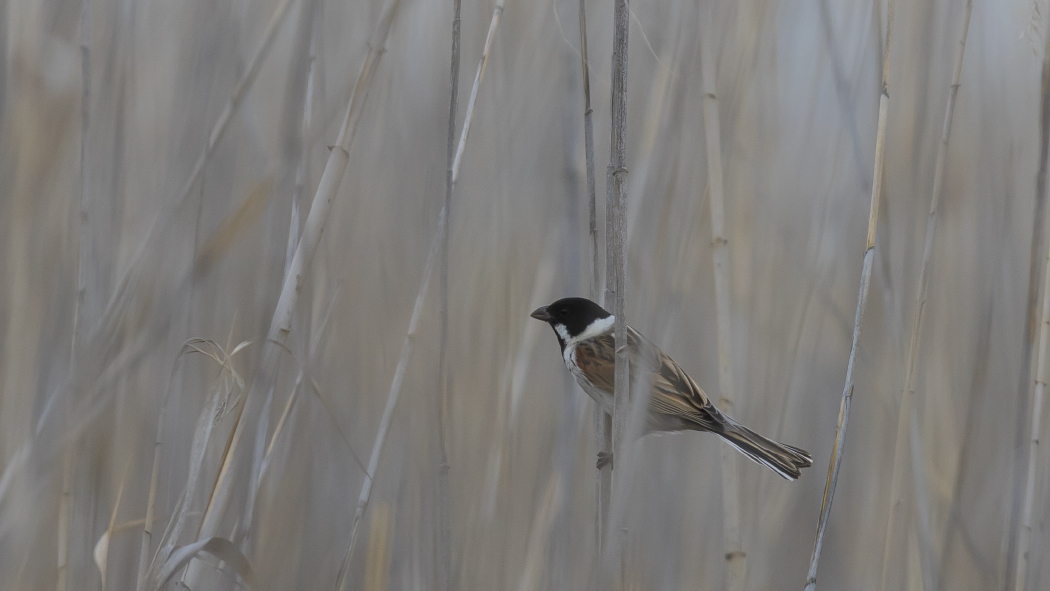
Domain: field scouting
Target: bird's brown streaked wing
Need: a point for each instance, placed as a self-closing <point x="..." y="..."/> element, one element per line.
<point x="672" y="392"/>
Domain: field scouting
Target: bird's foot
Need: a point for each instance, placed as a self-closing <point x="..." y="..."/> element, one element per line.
<point x="605" y="459"/>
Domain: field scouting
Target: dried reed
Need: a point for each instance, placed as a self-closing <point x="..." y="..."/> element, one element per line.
<point x="835" y="463"/>
<point x="444" y="565"/>
<point x="905" y="412"/>
<point x="391" y="400"/>
<point x="280" y="326"/>
<point x="1024" y="535"/>
<point x="409" y="341"/>
<point x="602" y="420"/>
<point x="616" y="229"/>
<point x="1025" y="376"/>
<point x="218" y="130"/>
<point x="65" y="505"/>
<point x="736" y="558"/>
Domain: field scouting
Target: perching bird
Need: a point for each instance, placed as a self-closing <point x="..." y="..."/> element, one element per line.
<point x="676" y="403"/>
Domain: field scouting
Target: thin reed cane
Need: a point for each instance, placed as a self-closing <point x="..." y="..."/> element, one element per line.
<point x="905" y="411"/>
<point x="217" y="131"/>
<point x="1025" y="534"/>
<point x="293" y="126"/>
<point x="497" y="12"/>
<point x="736" y="558"/>
<point x="298" y="113"/>
<point x="1031" y="315"/>
<point x="319" y="333"/>
<point x="588" y="144"/>
<point x="835" y="463"/>
<point x="616" y="230"/>
<point x="615" y="207"/>
<point x="417" y="311"/>
<point x="444" y="565"/>
<point x="602" y="419"/>
<point x="280" y="326"/>
<point x="392" y="397"/>
<point x="65" y="504"/>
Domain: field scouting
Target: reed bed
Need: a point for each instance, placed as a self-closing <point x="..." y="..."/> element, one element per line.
<point x="255" y="302"/>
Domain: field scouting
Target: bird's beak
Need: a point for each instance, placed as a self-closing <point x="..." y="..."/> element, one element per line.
<point x="541" y="314"/>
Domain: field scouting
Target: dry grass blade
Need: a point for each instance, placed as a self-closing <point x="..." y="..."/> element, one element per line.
<point x="222" y="392"/>
<point x="408" y="343"/>
<point x="736" y="558"/>
<point x="233" y="225"/>
<point x="525" y="505"/>
<point x="835" y="463"/>
<point x="478" y="76"/>
<point x="217" y="131"/>
<point x="296" y="120"/>
<point x="220" y="548"/>
<point x="17" y="461"/>
<point x="101" y="551"/>
<point x="314" y="346"/>
<point x="905" y="416"/>
<point x="281" y="323"/>
<point x="377" y="566"/>
<point x="536" y="551"/>
<point x="151" y="502"/>
<point x="392" y="398"/>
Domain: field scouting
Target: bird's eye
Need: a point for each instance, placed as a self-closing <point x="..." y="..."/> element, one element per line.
<point x="563" y="312"/>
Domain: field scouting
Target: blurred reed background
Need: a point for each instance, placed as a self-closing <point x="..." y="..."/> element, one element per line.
<point x="116" y="255"/>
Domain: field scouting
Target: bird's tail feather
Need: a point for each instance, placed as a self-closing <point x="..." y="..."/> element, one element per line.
<point x="783" y="459"/>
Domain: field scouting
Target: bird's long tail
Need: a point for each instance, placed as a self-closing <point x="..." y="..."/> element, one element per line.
<point x="783" y="459"/>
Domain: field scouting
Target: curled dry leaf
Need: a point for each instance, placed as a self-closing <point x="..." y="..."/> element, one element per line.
<point x="220" y="548"/>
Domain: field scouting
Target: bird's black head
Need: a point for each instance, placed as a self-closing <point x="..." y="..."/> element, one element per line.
<point x="571" y="317"/>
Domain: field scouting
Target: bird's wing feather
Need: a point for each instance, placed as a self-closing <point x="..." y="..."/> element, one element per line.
<point x="672" y="393"/>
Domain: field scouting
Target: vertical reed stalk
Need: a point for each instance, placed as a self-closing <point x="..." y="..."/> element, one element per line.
<point x="298" y="112"/>
<point x="835" y="463"/>
<point x="216" y="134"/>
<point x="64" y="508"/>
<point x="497" y="12"/>
<point x="280" y="325"/>
<point x="65" y="504"/>
<point x="417" y="311"/>
<point x="616" y="226"/>
<point x="151" y="501"/>
<point x="905" y="413"/>
<point x="392" y="397"/>
<point x="588" y="144"/>
<point x="293" y="125"/>
<point x="602" y="420"/>
<point x="315" y="344"/>
<point x="736" y="558"/>
<point x="444" y="566"/>
<point x="1031" y="317"/>
<point x="1025" y="534"/>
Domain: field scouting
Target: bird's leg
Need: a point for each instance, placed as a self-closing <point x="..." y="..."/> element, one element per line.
<point x="605" y="459"/>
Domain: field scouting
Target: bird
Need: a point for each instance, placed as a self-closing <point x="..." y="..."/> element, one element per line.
<point x="676" y="403"/>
